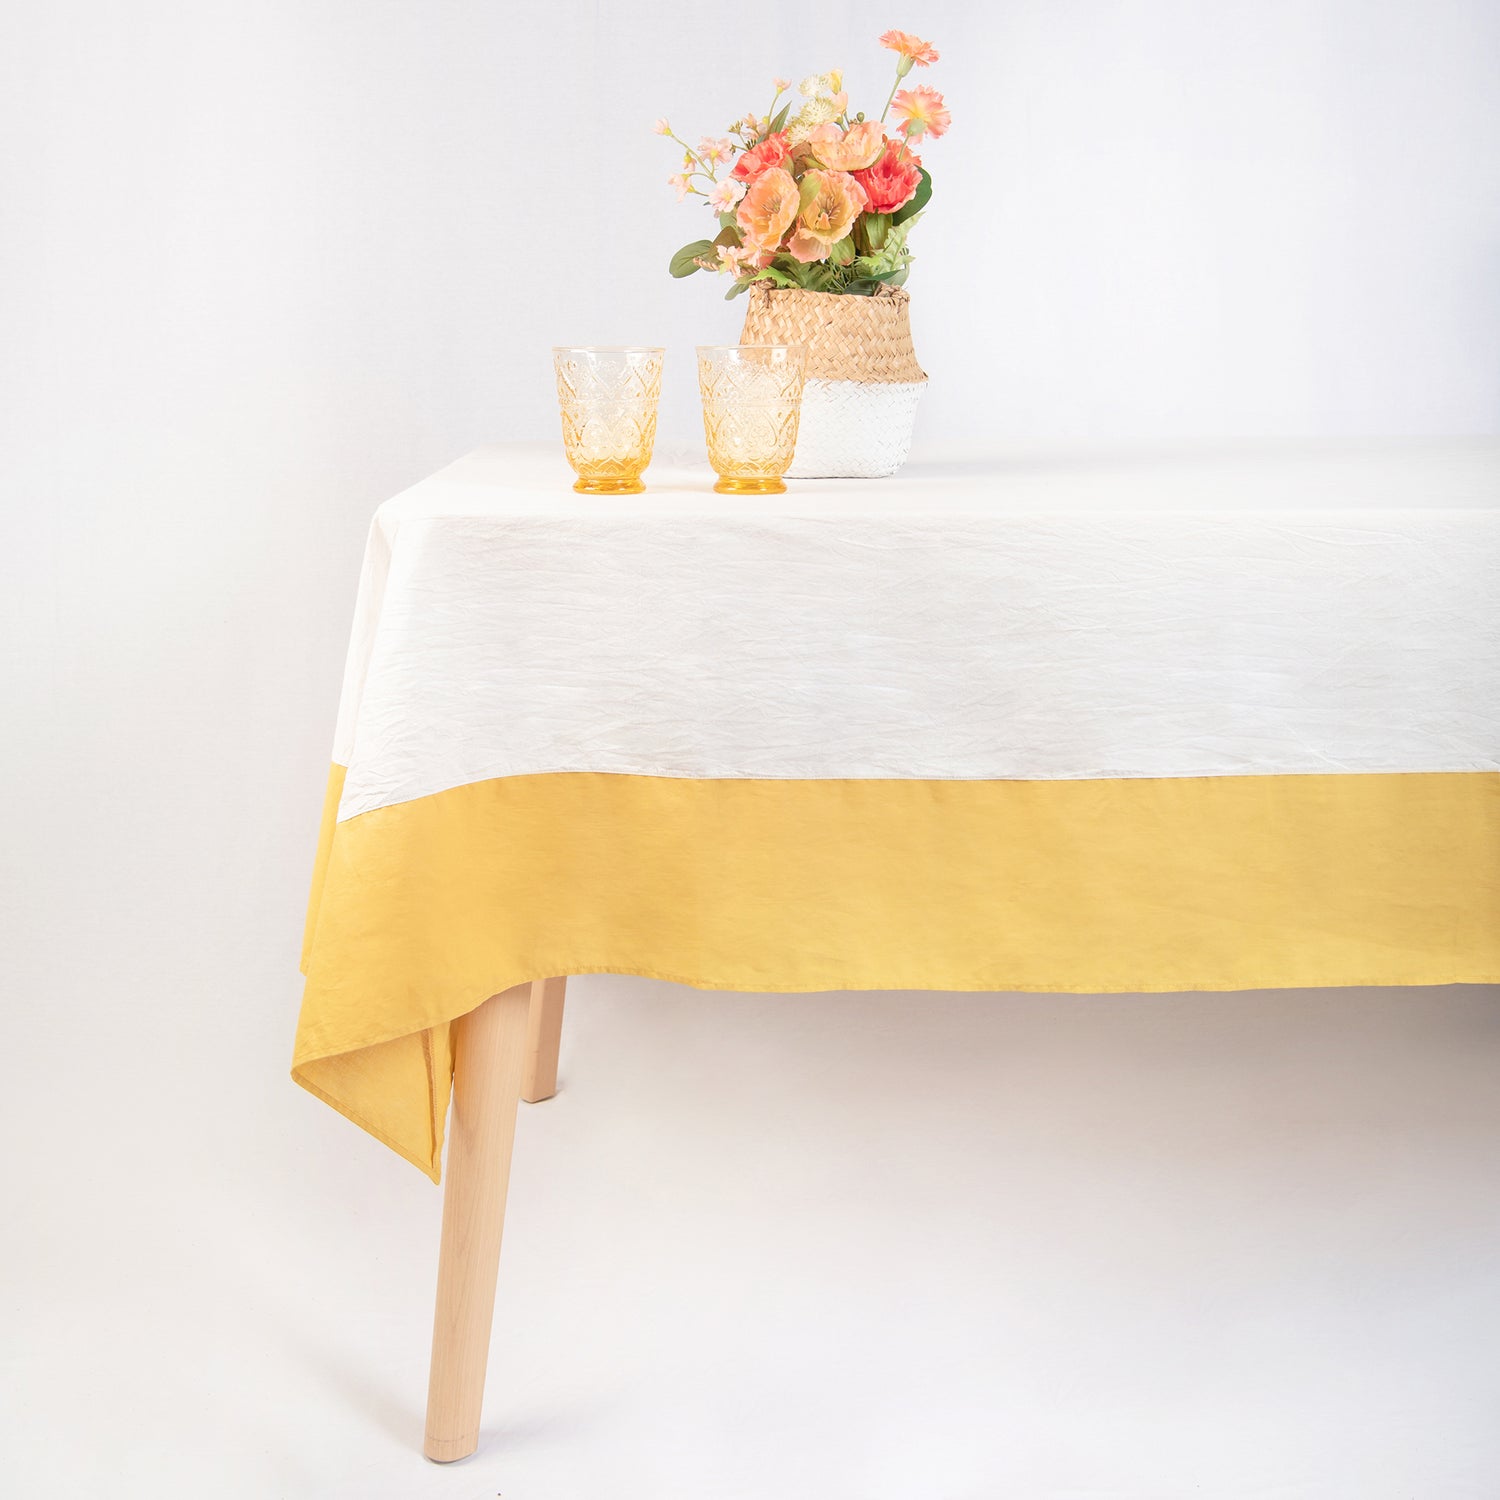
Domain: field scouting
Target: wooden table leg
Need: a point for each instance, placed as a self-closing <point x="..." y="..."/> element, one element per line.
<point x="543" y="1038"/>
<point x="489" y="1051"/>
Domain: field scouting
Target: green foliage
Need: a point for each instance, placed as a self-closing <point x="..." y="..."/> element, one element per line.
<point x="844" y="271"/>
<point x="685" y="262"/>
<point x="919" y="202"/>
<point x="873" y="229"/>
<point x="779" y="119"/>
<point x="867" y="286"/>
<point x="884" y="267"/>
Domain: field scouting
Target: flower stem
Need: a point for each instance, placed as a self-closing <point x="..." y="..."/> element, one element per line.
<point x="705" y="167"/>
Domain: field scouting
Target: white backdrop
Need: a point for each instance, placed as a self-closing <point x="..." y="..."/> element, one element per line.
<point x="263" y="264"/>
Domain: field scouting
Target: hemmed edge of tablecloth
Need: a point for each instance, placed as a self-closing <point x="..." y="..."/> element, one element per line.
<point x="438" y="1094"/>
<point x="433" y="1007"/>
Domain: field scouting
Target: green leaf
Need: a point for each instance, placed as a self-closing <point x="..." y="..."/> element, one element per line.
<point x="779" y="118"/>
<point x="890" y="257"/>
<point x="727" y="220"/>
<point x="919" y="199"/>
<point x="685" y="262"/>
<point x="842" y="253"/>
<point x="728" y="235"/>
<point x="876" y="227"/>
<point x="735" y="290"/>
<point x="818" y="276"/>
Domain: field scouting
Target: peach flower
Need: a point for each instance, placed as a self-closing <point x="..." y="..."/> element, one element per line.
<point x="683" y="182"/>
<point x="766" y="212"/>
<point x="662" y="128"/>
<point x="913" y="48"/>
<point x="806" y="247"/>
<point x="781" y="85"/>
<point x="771" y="152"/>
<point x="832" y="202"/>
<point x="922" y="112"/>
<point x="849" y="150"/>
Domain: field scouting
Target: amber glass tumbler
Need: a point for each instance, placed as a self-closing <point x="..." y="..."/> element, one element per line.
<point x="752" y="400"/>
<point x="608" y="399"/>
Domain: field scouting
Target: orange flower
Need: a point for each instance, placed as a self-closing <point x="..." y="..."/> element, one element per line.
<point x="910" y="47"/>
<point x="831" y="201"/>
<point x="849" y="150"/>
<point x="767" y="210"/>
<point x="922" y="112"/>
<point x="771" y="152"/>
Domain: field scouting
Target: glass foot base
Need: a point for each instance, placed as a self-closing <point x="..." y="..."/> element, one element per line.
<point x="609" y="486"/>
<point x="728" y="486"/>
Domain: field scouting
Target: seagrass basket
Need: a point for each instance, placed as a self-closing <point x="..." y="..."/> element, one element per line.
<point x="859" y="403"/>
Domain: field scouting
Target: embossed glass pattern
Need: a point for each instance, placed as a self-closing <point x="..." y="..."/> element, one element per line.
<point x="752" y="399"/>
<point x="608" y="399"/>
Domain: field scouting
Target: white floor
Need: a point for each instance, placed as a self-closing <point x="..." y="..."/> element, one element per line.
<point x="878" y="1247"/>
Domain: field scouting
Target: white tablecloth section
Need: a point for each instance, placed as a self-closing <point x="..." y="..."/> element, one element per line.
<point x="1332" y="612"/>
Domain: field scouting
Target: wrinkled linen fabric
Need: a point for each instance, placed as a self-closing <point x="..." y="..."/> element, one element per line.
<point x="534" y="672"/>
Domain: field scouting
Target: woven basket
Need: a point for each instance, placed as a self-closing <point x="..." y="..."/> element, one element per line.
<point x="863" y="380"/>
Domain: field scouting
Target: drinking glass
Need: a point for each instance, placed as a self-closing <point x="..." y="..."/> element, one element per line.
<point x="608" y="398"/>
<point x="752" y="398"/>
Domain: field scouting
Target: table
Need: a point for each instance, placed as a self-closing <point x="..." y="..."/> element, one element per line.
<point x="1184" y="721"/>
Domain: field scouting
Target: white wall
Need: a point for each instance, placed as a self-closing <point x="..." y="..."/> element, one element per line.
<point x="262" y="264"/>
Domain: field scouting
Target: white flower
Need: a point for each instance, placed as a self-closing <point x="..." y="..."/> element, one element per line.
<point x="817" y="112"/>
<point x="725" y="195"/>
<point x="821" y="83"/>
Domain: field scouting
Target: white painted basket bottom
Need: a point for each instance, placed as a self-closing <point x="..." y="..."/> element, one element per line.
<point x="852" y="429"/>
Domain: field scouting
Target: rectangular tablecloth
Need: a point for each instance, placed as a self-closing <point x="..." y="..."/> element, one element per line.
<point x="1174" y="724"/>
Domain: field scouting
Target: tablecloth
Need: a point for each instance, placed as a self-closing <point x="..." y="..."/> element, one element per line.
<point x="1174" y="722"/>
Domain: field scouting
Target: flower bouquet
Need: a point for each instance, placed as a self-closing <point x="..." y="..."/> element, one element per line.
<point x="815" y="206"/>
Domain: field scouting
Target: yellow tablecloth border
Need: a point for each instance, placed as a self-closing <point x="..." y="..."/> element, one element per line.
<point x="422" y="910"/>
